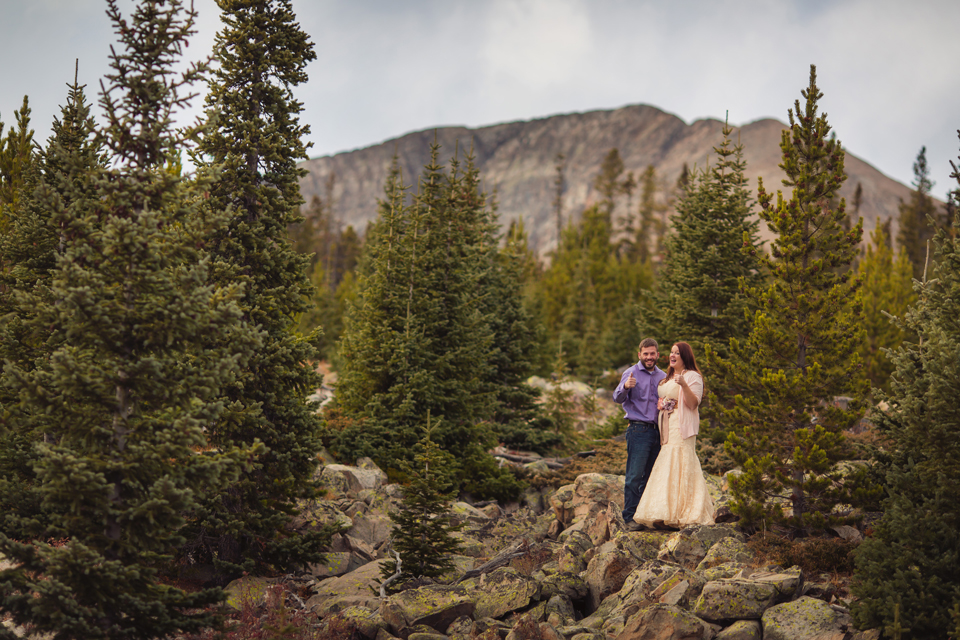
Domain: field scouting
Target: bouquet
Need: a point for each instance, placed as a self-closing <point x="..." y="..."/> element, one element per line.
<point x="669" y="405"/>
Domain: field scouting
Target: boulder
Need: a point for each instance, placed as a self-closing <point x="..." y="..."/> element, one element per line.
<point x="346" y="481"/>
<point x="434" y="605"/>
<point x="665" y="622"/>
<point x="559" y="611"/>
<point x="601" y="526"/>
<point x="593" y="492"/>
<point x="465" y="512"/>
<point x="606" y="574"/>
<point x="690" y="545"/>
<point x="725" y="570"/>
<point x="337" y="604"/>
<point x="356" y="583"/>
<point x="732" y="599"/>
<point x="561" y="501"/>
<point x="570" y="585"/>
<point x="788" y="582"/>
<point x="680" y="589"/>
<point x="338" y="563"/>
<point x="462" y="628"/>
<point x="805" y="619"/>
<point x="726" y="550"/>
<point x="373" y="529"/>
<point x="368" y="623"/>
<point x="501" y="591"/>
<point x="642" y="545"/>
<point x="742" y="630"/>
<point x="685" y="550"/>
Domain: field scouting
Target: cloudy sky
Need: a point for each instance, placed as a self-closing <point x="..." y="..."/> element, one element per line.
<point x="889" y="69"/>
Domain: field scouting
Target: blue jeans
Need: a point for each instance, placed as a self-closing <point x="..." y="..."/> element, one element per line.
<point x="643" y="446"/>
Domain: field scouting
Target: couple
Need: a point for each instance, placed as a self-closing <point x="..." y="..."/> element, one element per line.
<point x="664" y="485"/>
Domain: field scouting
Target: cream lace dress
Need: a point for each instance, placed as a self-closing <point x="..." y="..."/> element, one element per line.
<point x="676" y="492"/>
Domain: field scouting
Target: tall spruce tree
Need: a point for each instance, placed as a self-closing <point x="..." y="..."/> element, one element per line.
<point x="698" y="296"/>
<point x="419" y="336"/>
<point x="144" y="344"/>
<point x="802" y="351"/>
<point x="911" y="563"/>
<point x="17" y="162"/>
<point x="918" y="217"/>
<point x="262" y="54"/>
<point x="887" y="291"/>
<point x="37" y="232"/>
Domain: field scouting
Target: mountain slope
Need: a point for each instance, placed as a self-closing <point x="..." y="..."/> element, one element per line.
<point x="516" y="160"/>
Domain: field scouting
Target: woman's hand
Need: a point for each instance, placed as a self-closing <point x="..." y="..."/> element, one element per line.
<point x="659" y="404"/>
<point x="681" y="381"/>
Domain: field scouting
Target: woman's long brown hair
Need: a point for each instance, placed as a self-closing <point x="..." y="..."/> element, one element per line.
<point x="686" y="356"/>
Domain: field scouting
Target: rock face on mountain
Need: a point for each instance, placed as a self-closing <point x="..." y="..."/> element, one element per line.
<point x="517" y="160"/>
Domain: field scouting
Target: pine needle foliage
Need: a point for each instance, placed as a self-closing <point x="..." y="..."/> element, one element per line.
<point x="920" y="218"/>
<point x="424" y="524"/>
<point x="420" y="335"/>
<point x="802" y="350"/>
<point x="887" y="293"/>
<point x="38" y="230"/>
<point x="136" y="372"/>
<point x="17" y="161"/>
<point x="699" y="292"/>
<point x="255" y="145"/>
<point x="911" y="563"/>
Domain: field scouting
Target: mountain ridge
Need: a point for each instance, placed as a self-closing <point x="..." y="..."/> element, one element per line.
<point x="516" y="160"/>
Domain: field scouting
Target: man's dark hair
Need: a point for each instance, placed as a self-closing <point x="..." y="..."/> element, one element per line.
<point x="648" y="342"/>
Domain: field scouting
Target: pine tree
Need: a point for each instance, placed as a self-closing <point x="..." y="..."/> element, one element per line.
<point x="419" y="336"/>
<point x="17" y="161"/>
<point x="559" y="186"/>
<point x="887" y="291"/>
<point x="650" y="230"/>
<point x="607" y="182"/>
<point x="699" y="280"/>
<point x="916" y="228"/>
<point x="139" y="360"/>
<point x="258" y="140"/>
<point x="911" y="564"/>
<point x="37" y="231"/>
<point x="424" y="523"/>
<point x="802" y="350"/>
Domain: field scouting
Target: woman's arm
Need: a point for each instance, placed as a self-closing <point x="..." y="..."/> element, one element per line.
<point x="692" y="389"/>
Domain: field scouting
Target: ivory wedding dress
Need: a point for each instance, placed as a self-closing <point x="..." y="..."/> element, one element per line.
<point x="676" y="492"/>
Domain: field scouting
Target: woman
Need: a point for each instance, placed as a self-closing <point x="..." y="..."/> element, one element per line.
<point x="676" y="493"/>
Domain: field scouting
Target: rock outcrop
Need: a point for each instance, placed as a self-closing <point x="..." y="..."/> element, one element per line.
<point x="592" y="581"/>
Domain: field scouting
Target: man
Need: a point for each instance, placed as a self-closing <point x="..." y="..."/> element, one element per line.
<point x="637" y="392"/>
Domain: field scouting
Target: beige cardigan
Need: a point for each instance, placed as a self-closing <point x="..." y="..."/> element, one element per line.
<point x="689" y="418"/>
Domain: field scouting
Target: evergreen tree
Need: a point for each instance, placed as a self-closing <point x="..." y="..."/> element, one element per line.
<point x="918" y="218"/>
<point x="262" y="54"/>
<point x="424" y="524"/>
<point x="650" y="230"/>
<point x="588" y="294"/>
<point x="887" y="292"/>
<point x="37" y="232"/>
<point x="143" y="343"/>
<point x="559" y="186"/>
<point x="17" y="160"/>
<point x="419" y="336"/>
<point x="698" y="293"/>
<point x="802" y="350"/>
<point x="911" y="564"/>
<point x="607" y="182"/>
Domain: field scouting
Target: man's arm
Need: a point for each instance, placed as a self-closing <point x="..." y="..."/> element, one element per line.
<point x="622" y="392"/>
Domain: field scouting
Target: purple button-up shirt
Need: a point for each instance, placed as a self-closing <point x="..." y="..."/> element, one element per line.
<point x="640" y="403"/>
